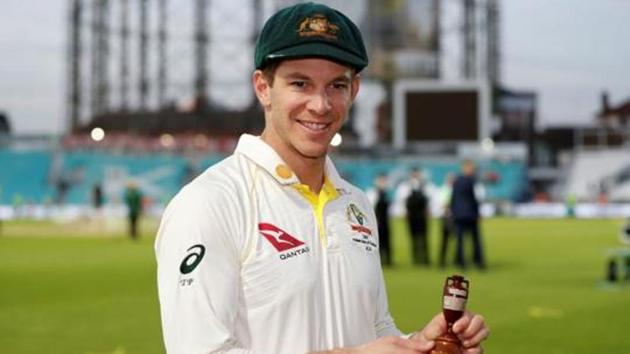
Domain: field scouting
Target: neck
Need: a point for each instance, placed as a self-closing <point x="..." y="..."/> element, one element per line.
<point x="310" y="171"/>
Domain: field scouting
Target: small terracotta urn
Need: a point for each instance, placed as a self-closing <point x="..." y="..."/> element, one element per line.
<point x="454" y="299"/>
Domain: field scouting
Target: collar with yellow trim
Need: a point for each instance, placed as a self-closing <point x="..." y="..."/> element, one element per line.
<point x="258" y="151"/>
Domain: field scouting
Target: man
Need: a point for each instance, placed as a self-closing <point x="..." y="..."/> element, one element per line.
<point x="465" y="211"/>
<point x="444" y="197"/>
<point x="133" y="201"/>
<point x="380" y="200"/>
<point x="270" y="251"/>
<point x="417" y="205"/>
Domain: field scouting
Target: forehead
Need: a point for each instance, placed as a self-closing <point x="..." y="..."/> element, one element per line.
<point x="314" y="68"/>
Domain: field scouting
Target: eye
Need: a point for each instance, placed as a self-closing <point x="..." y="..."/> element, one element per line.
<point x="298" y="83"/>
<point x="340" y="85"/>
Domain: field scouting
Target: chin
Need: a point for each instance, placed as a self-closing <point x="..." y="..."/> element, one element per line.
<point x="313" y="152"/>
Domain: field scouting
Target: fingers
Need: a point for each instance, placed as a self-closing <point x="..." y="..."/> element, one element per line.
<point x="461" y="324"/>
<point x="476" y="350"/>
<point x="471" y="329"/>
<point x="424" y="344"/>
<point x="393" y="344"/>
<point x="413" y="345"/>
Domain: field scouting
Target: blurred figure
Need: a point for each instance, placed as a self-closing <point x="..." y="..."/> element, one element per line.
<point x="63" y="185"/>
<point x="97" y="205"/>
<point x="97" y="196"/>
<point x="417" y="205"/>
<point x="570" y="202"/>
<point x="465" y="211"/>
<point x="447" y="226"/>
<point x="381" y="203"/>
<point x="133" y="200"/>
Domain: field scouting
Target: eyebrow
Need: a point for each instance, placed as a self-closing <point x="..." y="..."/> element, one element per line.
<point x="296" y="75"/>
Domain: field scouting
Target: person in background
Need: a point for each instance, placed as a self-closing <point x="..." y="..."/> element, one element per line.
<point x="465" y="210"/>
<point x="133" y="201"/>
<point x="417" y="205"/>
<point x="570" y="202"/>
<point x="446" y="219"/>
<point x="381" y="203"/>
<point x="97" y="200"/>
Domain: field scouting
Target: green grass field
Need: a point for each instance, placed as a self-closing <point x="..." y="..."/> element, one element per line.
<point x="65" y="289"/>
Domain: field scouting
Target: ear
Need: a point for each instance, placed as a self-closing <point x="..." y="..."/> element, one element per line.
<point x="354" y="89"/>
<point x="261" y="88"/>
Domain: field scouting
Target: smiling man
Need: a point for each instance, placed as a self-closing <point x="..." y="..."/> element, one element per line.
<point x="270" y="250"/>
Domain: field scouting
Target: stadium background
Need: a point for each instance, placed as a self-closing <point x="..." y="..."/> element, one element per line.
<point x="156" y="93"/>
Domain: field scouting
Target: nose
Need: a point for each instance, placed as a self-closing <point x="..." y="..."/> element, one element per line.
<point x="319" y="103"/>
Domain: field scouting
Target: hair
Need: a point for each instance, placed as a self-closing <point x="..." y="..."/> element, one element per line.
<point x="269" y="70"/>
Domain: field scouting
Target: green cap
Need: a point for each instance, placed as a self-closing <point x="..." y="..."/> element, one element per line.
<point x="310" y="30"/>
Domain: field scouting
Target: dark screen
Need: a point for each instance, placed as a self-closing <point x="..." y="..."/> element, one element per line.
<point x="434" y="116"/>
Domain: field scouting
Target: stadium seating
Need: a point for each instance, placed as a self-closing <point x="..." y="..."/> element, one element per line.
<point x="68" y="177"/>
<point x="24" y="176"/>
<point x="604" y="171"/>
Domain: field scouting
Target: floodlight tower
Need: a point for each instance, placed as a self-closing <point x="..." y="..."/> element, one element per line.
<point x="99" y="57"/>
<point x="74" y="58"/>
<point x="144" y="44"/>
<point x="201" y="46"/>
<point x="162" y="63"/>
<point x="469" y="35"/>
<point x="124" y="55"/>
<point x="494" y="41"/>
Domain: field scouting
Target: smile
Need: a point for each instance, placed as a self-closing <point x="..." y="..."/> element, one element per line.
<point x="318" y="127"/>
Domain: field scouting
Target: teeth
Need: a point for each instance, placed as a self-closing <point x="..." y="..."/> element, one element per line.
<point x="315" y="126"/>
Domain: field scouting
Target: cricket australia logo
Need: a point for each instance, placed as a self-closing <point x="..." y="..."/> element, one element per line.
<point x="287" y="245"/>
<point x="361" y="235"/>
<point x="354" y="214"/>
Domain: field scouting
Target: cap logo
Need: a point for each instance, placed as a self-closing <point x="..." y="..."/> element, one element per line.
<point x="318" y="25"/>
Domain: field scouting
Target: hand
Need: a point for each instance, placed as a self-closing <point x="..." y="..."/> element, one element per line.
<point x="386" y="345"/>
<point x="471" y="329"/>
<point x="394" y="345"/>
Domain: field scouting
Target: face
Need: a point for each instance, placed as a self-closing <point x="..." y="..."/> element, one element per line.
<point x="468" y="168"/>
<point x="306" y="105"/>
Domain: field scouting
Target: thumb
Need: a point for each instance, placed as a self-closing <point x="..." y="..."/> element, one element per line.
<point x="435" y="328"/>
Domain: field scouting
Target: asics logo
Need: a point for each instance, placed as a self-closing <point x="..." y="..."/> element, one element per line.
<point x="278" y="238"/>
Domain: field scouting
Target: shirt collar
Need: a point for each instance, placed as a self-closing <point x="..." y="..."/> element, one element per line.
<point x="254" y="148"/>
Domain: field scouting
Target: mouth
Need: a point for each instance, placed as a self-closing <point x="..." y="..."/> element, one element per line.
<point x="315" y="127"/>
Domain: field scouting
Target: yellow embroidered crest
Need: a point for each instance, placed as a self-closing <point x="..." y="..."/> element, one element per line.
<point x="318" y="25"/>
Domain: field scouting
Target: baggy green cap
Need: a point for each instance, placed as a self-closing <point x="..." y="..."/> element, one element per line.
<point x="310" y="30"/>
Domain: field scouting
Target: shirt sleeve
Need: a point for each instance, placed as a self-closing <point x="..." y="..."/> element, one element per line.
<point x="198" y="267"/>
<point x="384" y="323"/>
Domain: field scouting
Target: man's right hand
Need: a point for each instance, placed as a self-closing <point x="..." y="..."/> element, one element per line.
<point x="390" y="344"/>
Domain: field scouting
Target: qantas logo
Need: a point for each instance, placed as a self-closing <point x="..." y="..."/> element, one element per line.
<point x="361" y="229"/>
<point x="278" y="238"/>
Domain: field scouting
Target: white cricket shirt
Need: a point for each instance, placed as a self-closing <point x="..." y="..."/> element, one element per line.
<point x="251" y="261"/>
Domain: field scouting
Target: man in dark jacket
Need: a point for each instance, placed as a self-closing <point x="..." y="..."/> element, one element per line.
<point x="381" y="209"/>
<point x="465" y="212"/>
<point x="417" y="205"/>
